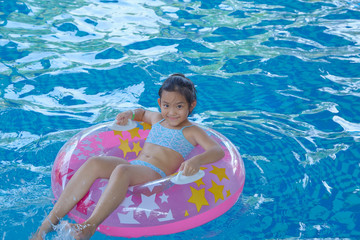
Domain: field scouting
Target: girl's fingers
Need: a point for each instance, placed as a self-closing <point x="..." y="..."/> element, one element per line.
<point x="181" y="167"/>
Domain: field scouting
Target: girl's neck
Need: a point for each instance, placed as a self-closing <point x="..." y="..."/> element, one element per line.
<point x="185" y="123"/>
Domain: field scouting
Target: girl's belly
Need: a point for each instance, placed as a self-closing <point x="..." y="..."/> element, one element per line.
<point x="164" y="158"/>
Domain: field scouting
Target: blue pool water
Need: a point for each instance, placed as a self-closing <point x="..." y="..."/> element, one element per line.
<point x="280" y="79"/>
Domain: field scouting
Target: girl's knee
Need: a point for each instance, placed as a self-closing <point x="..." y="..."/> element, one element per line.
<point x="100" y="166"/>
<point x="121" y="170"/>
<point x="94" y="162"/>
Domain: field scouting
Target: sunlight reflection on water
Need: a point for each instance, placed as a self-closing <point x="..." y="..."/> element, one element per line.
<point x="280" y="79"/>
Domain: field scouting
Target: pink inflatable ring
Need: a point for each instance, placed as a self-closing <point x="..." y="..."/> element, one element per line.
<point x="159" y="207"/>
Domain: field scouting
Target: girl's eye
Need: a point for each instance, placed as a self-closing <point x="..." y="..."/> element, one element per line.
<point x="179" y="106"/>
<point x="166" y="105"/>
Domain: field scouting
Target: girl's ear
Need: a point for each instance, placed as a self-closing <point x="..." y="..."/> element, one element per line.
<point x="159" y="102"/>
<point x="192" y="106"/>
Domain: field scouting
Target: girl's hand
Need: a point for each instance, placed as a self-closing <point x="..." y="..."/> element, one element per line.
<point x="190" y="167"/>
<point x="122" y="118"/>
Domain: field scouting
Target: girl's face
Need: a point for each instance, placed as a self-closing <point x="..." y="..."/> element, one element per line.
<point x="174" y="108"/>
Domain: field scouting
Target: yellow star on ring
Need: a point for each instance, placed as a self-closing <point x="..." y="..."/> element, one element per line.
<point x="220" y="172"/>
<point x="199" y="182"/>
<point x="145" y="125"/>
<point x="198" y="198"/>
<point x="186" y="213"/>
<point x="217" y="190"/>
<point x="118" y="133"/>
<point x="136" y="148"/>
<point x="134" y="132"/>
<point x="228" y="193"/>
<point x="124" y="146"/>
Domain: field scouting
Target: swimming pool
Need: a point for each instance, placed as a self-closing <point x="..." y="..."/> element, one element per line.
<point x="281" y="80"/>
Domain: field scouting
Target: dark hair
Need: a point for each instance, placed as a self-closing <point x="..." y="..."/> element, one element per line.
<point x="179" y="83"/>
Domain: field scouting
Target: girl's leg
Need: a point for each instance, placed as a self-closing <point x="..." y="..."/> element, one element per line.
<point x="77" y="187"/>
<point x="121" y="178"/>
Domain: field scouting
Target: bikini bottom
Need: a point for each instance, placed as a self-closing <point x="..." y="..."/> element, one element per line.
<point x="149" y="165"/>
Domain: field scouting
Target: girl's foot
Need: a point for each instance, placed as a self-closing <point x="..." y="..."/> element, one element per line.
<point x="37" y="236"/>
<point x="83" y="231"/>
<point x="40" y="234"/>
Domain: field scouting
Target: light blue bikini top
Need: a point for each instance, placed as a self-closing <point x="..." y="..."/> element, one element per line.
<point x="170" y="138"/>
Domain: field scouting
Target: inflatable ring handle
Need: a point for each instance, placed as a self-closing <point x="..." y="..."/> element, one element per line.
<point x="116" y="127"/>
<point x="181" y="179"/>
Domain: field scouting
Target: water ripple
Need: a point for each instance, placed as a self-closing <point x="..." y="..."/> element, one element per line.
<point x="280" y="79"/>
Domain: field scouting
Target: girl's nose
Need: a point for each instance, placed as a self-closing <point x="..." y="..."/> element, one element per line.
<point x="172" y="111"/>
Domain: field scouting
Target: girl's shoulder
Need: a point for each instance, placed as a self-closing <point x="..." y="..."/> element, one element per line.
<point x="152" y="117"/>
<point x="194" y="132"/>
<point x="198" y="136"/>
<point x="195" y="129"/>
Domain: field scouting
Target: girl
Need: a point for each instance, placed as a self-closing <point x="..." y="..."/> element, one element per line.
<point x="171" y="138"/>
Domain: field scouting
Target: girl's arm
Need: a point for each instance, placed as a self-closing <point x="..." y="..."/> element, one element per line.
<point x="213" y="152"/>
<point x="138" y="114"/>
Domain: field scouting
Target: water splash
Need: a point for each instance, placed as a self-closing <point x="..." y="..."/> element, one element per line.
<point x="63" y="231"/>
<point x="289" y="71"/>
